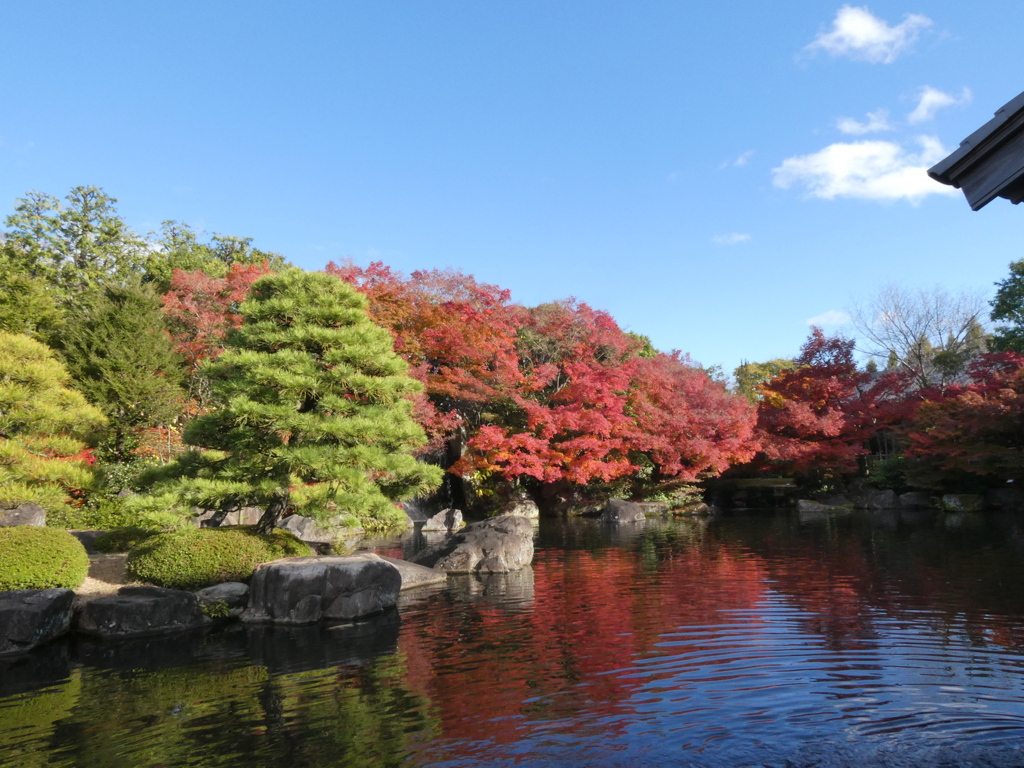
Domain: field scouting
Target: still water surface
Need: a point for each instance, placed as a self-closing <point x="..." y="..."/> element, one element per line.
<point x="761" y="639"/>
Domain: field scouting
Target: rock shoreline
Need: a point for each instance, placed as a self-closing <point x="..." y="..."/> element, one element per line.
<point x="290" y="591"/>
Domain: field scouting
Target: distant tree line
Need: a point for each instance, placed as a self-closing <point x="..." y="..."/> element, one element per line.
<point x="173" y="370"/>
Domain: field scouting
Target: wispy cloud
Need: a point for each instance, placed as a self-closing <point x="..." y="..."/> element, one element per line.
<point x="877" y="121"/>
<point x="931" y="100"/>
<point x="733" y="238"/>
<point x="860" y="35"/>
<point x="832" y="317"/>
<point x="738" y="162"/>
<point x="868" y="170"/>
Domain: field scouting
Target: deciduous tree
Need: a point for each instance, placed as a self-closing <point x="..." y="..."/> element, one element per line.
<point x="816" y="419"/>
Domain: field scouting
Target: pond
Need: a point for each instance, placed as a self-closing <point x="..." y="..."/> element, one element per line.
<point x="767" y="638"/>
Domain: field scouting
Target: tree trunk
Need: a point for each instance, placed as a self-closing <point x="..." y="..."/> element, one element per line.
<point x="275" y="509"/>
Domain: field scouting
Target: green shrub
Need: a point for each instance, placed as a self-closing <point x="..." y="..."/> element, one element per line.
<point x="106" y="514"/>
<point x="40" y="558"/>
<point x="192" y="558"/>
<point x="122" y="539"/>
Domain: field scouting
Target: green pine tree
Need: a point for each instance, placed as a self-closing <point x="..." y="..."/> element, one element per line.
<point x="315" y="412"/>
<point x="121" y="359"/>
<point x="42" y="423"/>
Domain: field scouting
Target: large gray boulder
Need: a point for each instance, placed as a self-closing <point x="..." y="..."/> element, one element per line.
<point x="523" y="506"/>
<point x="962" y="502"/>
<point x="414" y="575"/>
<point x="498" y="545"/>
<point x="304" y="590"/>
<point x="446" y="520"/>
<point x="619" y="511"/>
<point x="139" y="611"/>
<point x="22" y="514"/>
<point x="31" y="617"/>
<point x="876" y="499"/>
<point x="308" y="529"/>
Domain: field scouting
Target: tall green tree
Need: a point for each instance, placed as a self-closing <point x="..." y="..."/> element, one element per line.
<point x="27" y="304"/>
<point x="1008" y="310"/>
<point x="73" y="245"/>
<point x="120" y="356"/>
<point x="42" y="424"/>
<point x="315" y="411"/>
<point x="750" y="376"/>
<point x="178" y="246"/>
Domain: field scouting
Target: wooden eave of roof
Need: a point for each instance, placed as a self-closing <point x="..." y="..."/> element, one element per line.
<point x="966" y="167"/>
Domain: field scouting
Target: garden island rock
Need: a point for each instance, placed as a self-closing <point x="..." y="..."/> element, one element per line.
<point x="304" y="590"/>
<point x="498" y="545"/>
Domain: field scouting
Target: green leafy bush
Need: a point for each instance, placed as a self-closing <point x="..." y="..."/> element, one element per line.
<point x="40" y="558"/>
<point x="122" y="539"/>
<point x="192" y="558"/>
<point x="106" y="514"/>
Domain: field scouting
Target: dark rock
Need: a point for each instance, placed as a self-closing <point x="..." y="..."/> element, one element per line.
<point x="523" y="506"/>
<point x="31" y="617"/>
<point x="23" y="514"/>
<point x="619" y="511"/>
<point x="139" y="611"/>
<point x="806" y="505"/>
<point x="445" y="520"/>
<point x="304" y="590"/>
<point x="232" y="594"/>
<point x="497" y="545"/>
<point x="308" y="529"/>
<point x="244" y="516"/>
<point x="962" y="502"/>
<point x="88" y="539"/>
<point x="876" y="499"/>
<point x="916" y="500"/>
<point x="834" y="500"/>
<point x="414" y="575"/>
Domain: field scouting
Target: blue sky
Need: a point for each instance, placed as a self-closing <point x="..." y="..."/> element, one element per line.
<point x="715" y="175"/>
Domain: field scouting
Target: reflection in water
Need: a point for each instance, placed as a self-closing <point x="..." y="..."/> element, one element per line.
<point x="871" y="639"/>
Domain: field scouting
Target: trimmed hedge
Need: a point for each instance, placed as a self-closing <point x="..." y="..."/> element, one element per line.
<point x="192" y="558"/>
<point x="122" y="539"/>
<point x="33" y="557"/>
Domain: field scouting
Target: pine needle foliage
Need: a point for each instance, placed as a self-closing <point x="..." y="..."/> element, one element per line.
<point x="42" y="423"/>
<point x="315" y="411"/>
<point x="121" y="358"/>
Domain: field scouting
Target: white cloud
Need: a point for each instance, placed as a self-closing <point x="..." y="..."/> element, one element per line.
<point x="932" y="100"/>
<point x="733" y="238"/>
<point x="877" y="121"/>
<point x="859" y="34"/>
<point x="738" y="162"/>
<point x="832" y="317"/>
<point x="868" y="170"/>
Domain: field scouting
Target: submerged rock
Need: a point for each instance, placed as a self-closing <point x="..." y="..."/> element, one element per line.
<point x="304" y="590"/>
<point x="619" y="511"/>
<point x="31" y="617"/>
<point x="498" y="545"/>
